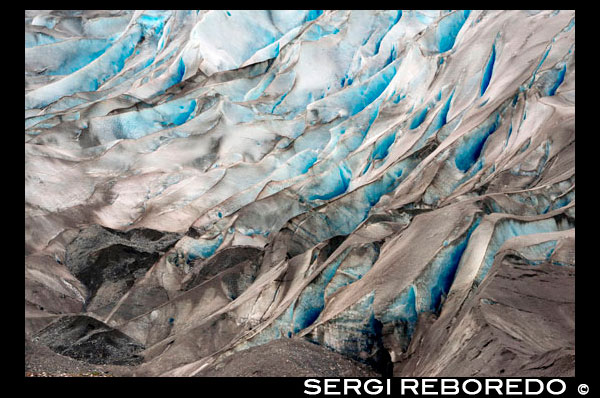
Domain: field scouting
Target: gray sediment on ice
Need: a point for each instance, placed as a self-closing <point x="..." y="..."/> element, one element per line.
<point x="345" y="192"/>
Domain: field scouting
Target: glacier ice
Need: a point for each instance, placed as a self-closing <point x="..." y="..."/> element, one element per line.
<point x="354" y="178"/>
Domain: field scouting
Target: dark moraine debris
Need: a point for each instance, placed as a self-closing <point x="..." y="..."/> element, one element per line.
<point x="395" y="186"/>
<point x="294" y="357"/>
<point x="108" y="261"/>
<point x="89" y="340"/>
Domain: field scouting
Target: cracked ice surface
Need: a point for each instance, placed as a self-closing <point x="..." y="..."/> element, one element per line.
<point x="378" y="161"/>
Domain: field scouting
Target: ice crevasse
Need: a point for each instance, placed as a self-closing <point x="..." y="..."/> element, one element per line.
<point x="351" y="178"/>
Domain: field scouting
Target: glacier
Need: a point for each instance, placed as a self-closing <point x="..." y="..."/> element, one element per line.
<point x="395" y="187"/>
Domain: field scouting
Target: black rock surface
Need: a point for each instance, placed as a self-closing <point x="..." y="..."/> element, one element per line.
<point x="108" y="262"/>
<point x="89" y="340"/>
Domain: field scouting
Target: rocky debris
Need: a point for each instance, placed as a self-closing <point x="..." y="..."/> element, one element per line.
<point x="41" y="361"/>
<point x="62" y="374"/>
<point x="288" y="358"/>
<point x="89" y="340"/>
<point x="397" y="186"/>
<point x="108" y="262"/>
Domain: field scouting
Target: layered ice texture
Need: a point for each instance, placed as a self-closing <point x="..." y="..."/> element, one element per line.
<point x="377" y="162"/>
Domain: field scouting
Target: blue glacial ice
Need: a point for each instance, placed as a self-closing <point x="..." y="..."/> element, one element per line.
<point x="294" y="132"/>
